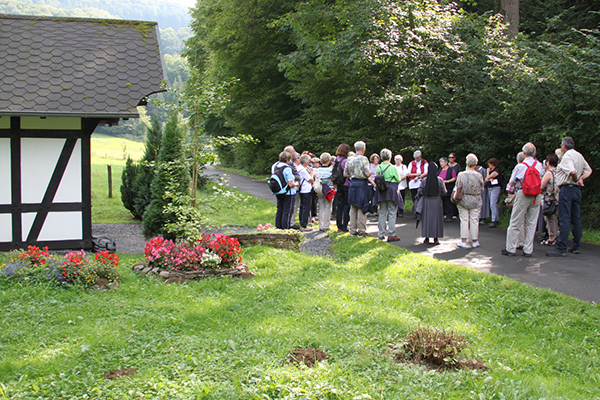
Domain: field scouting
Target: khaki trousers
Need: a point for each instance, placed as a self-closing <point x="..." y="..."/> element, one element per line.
<point x="358" y="221"/>
<point x="524" y="217"/>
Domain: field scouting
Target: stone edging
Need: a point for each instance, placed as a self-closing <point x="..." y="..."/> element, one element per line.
<point x="280" y="240"/>
<point x="239" y="271"/>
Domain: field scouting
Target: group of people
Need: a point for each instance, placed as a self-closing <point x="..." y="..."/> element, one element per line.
<point x="561" y="178"/>
<point x="356" y="186"/>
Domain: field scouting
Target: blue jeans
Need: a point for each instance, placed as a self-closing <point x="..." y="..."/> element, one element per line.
<point x="494" y="193"/>
<point x="569" y="214"/>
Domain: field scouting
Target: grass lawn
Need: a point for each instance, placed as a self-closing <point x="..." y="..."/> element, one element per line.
<point x="107" y="150"/>
<point x="229" y="339"/>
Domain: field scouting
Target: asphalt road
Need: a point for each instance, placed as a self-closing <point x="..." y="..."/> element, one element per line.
<point x="576" y="275"/>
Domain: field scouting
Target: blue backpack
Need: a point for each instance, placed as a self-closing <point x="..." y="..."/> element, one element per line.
<point x="277" y="182"/>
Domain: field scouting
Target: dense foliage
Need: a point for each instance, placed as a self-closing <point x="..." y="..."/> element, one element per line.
<point x="403" y="75"/>
<point x="128" y="194"/>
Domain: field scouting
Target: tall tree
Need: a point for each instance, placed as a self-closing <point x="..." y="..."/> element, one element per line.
<point x="510" y="10"/>
<point x="234" y="39"/>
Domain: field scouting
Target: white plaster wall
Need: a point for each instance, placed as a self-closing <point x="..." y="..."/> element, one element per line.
<point x="38" y="161"/>
<point x="62" y="226"/>
<point x="5" y="228"/>
<point x="69" y="189"/>
<point x="5" y="192"/>
<point x="26" y="223"/>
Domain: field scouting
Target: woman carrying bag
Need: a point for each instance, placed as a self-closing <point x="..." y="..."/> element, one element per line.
<point x="471" y="184"/>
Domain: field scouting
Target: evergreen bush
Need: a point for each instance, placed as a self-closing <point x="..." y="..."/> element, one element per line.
<point x="146" y="171"/>
<point x="171" y="172"/>
<point x="128" y="193"/>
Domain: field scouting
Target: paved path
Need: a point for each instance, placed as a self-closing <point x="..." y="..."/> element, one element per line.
<point x="574" y="275"/>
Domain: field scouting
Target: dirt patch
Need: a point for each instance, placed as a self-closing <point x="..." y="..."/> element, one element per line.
<point x="308" y="356"/>
<point x="119" y="373"/>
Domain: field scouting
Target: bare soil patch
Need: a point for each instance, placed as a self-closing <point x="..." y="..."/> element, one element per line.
<point x="307" y="356"/>
<point x="119" y="373"/>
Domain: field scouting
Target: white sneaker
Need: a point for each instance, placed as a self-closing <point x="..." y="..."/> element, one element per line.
<point x="462" y="245"/>
<point x="475" y="244"/>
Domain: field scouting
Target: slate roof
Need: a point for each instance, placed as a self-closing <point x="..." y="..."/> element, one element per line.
<point x="77" y="67"/>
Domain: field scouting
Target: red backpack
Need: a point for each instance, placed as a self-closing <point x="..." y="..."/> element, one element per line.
<point x="532" y="183"/>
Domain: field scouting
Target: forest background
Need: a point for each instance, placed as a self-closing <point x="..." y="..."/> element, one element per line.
<point x="437" y="76"/>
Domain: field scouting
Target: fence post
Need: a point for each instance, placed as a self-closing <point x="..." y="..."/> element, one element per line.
<point x="109" y="167"/>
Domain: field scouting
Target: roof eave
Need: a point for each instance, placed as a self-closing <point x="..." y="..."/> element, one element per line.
<point x="64" y="114"/>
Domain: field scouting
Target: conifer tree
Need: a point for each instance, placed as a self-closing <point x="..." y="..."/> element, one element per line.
<point x="128" y="193"/>
<point x="146" y="172"/>
<point x="172" y="179"/>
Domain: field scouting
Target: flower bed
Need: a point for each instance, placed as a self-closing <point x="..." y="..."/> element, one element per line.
<point x="212" y="255"/>
<point x="76" y="268"/>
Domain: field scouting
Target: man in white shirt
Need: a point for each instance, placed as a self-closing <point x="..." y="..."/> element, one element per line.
<point x="525" y="208"/>
<point x="570" y="174"/>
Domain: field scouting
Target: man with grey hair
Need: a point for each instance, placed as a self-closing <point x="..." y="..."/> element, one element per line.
<point x="526" y="207"/>
<point x="358" y="170"/>
<point x="570" y="174"/>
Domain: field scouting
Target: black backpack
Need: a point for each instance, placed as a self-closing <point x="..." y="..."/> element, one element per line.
<point x="380" y="181"/>
<point x="277" y="182"/>
<point x="101" y="243"/>
<point x="337" y="174"/>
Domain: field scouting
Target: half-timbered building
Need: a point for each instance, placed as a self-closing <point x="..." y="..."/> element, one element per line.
<point x="60" y="78"/>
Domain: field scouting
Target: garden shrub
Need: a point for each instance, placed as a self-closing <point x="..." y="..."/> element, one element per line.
<point x="128" y="193"/>
<point x="172" y="173"/>
<point x="146" y="172"/>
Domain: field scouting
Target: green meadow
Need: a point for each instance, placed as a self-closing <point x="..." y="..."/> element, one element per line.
<point x="230" y="339"/>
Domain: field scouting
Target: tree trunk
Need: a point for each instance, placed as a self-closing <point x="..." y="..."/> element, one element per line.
<point x="510" y="10"/>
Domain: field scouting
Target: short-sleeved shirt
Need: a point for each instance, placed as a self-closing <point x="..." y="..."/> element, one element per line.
<point x="390" y="174"/>
<point x="497" y="181"/>
<point x="288" y="175"/>
<point x="325" y="174"/>
<point x="572" y="160"/>
<point x="357" y="167"/>
<point x="402" y="172"/>
<point x="419" y="167"/>
<point x="305" y="185"/>
<point x="518" y="173"/>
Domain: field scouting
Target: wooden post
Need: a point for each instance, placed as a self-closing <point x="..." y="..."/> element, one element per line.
<point x="109" y="167"/>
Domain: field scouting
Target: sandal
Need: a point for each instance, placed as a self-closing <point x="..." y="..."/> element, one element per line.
<point x="549" y="242"/>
